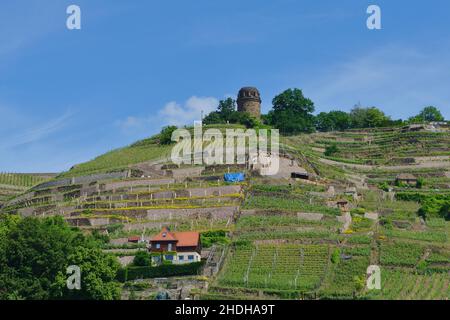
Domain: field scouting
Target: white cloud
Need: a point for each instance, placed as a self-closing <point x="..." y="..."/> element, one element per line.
<point x="176" y="114"/>
<point x="173" y="113"/>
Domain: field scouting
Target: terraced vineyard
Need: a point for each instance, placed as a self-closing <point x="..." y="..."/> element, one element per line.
<point x="12" y="184"/>
<point x="404" y="285"/>
<point x="280" y="267"/>
<point x="285" y="238"/>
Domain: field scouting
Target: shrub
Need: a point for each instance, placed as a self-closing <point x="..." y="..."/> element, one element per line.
<point x="142" y="258"/>
<point x="331" y="150"/>
<point x="336" y="256"/>
<point x="132" y="273"/>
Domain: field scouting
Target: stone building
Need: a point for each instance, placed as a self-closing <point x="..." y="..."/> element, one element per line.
<point x="249" y="100"/>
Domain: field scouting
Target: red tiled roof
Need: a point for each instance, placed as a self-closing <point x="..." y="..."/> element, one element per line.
<point x="164" y="235"/>
<point x="183" y="239"/>
<point x="187" y="239"/>
<point x="134" y="238"/>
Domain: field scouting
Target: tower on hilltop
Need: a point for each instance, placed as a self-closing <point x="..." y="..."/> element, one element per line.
<point x="249" y="100"/>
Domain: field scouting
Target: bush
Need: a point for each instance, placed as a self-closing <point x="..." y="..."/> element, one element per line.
<point x="142" y="258"/>
<point x="331" y="150"/>
<point x="214" y="237"/>
<point x="165" y="137"/>
<point x="144" y="272"/>
<point x="336" y="256"/>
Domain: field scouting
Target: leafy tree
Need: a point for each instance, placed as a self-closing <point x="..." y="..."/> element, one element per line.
<point x="427" y="114"/>
<point x="34" y="255"/>
<point x="333" y="120"/>
<point x="226" y="113"/>
<point x="368" y="118"/>
<point x="292" y="112"/>
<point x="165" y="137"/>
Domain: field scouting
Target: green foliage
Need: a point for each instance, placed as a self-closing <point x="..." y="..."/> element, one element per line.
<point x="333" y="120"/>
<point x="165" y="137"/>
<point x="20" y="179"/>
<point x="142" y="259"/>
<point x="209" y="238"/>
<point x="427" y="114"/>
<point x="292" y="112"/>
<point x="169" y="270"/>
<point x="400" y="254"/>
<point x="34" y="255"/>
<point x="420" y="183"/>
<point x="277" y="267"/>
<point x="368" y="118"/>
<point x="336" y="256"/>
<point x="330" y="150"/>
<point x="265" y="202"/>
<point x="226" y="113"/>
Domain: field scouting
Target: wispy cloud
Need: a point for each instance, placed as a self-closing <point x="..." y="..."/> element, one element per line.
<point x="173" y="113"/>
<point x="33" y="133"/>
<point x="397" y="79"/>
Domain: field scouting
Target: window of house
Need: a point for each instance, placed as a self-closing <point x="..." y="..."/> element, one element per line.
<point x="169" y="257"/>
<point x="181" y="258"/>
<point x="190" y="257"/>
<point x="158" y="246"/>
<point x="169" y="247"/>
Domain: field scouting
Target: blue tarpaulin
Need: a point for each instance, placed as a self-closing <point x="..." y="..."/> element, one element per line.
<point x="234" y="177"/>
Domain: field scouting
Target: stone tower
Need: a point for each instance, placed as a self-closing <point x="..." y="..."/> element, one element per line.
<point x="249" y="101"/>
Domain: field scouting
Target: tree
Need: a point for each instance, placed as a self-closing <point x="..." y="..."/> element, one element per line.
<point x="368" y="118"/>
<point x="165" y="137"/>
<point x="333" y="120"/>
<point x="34" y="256"/>
<point x="226" y="113"/>
<point x="292" y="112"/>
<point x="427" y="114"/>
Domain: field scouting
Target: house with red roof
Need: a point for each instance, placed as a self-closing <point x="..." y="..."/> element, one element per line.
<point x="178" y="247"/>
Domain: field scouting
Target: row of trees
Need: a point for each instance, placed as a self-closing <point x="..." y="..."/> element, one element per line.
<point x="292" y="113"/>
<point x="34" y="256"/>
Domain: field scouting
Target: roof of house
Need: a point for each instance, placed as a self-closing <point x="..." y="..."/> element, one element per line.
<point x="134" y="238"/>
<point x="183" y="239"/>
<point x="406" y="176"/>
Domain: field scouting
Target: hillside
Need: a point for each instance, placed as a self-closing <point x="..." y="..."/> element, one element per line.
<point x="13" y="184"/>
<point x="272" y="237"/>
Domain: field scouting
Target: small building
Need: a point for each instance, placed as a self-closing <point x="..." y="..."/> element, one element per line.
<point x="406" y="178"/>
<point x="134" y="239"/>
<point x="178" y="247"/>
<point x="300" y="175"/>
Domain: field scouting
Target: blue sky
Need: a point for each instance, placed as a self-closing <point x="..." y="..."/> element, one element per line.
<point x="67" y="96"/>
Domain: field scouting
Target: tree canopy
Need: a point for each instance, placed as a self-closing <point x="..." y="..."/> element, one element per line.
<point x="226" y="113"/>
<point x="34" y="256"/>
<point x="428" y="114"/>
<point x="292" y="112"/>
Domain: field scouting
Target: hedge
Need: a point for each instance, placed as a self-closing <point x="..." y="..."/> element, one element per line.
<point x="132" y="273"/>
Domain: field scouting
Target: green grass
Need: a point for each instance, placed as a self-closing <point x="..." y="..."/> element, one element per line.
<point x="119" y="159"/>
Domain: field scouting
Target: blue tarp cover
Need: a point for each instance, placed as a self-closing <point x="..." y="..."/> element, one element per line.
<point x="234" y="177"/>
